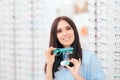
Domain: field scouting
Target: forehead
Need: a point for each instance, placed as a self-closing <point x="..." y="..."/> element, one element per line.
<point x="62" y="24"/>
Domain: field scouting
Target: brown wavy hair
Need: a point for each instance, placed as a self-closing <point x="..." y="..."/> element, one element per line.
<point x="77" y="50"/>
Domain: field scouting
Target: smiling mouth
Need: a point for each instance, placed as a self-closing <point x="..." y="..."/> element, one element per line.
<point x="66" y="39"/>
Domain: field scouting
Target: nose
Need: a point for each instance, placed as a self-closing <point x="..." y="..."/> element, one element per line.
<point x="64" y="32"/>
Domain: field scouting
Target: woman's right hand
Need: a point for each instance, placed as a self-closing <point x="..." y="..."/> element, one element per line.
<point x="50" y="58"/>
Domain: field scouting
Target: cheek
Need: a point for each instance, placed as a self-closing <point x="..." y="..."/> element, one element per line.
<point x="58" y="36"/>
<point x="72" y="33"/>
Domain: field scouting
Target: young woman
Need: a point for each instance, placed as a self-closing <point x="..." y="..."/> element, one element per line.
<point x="86" y="66"/>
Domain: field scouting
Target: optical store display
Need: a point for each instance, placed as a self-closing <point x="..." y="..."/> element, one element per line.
<point x="104" y="28"/>
<point x="23" y="38"/>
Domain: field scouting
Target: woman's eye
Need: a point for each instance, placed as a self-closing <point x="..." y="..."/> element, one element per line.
<point x="58" y="31"/>
<point x="68" y="28"/>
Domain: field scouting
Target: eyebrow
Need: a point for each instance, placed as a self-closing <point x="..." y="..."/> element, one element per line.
<point x="65" y="27"/>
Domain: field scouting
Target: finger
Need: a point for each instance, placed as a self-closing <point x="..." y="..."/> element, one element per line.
<point x="53" y="55"/>
<point x="68" y="67"/>
<point x="48" y="51"/>
<point x="79" y="61"/>
<point x="51" y="49"/>
<point x="74" y="61"/>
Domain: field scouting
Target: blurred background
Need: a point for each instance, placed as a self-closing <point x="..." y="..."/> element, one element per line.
<point x="25" y="27"/>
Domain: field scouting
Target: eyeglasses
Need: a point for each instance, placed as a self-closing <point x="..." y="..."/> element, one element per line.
<point x="117" y="53"/>
<point x="117" y="70"/>
<point x="116" y="77"/>
<point x="105" y="69"/>
<point x="102" y="37"/>
<point x="117" y="12"/>
<point x="117" y="28"/>
<point x="102" y="53"/>
<point x="102" y="44"/>
<point x="103" y="61"/>
<point x="117" y="3"/>
<point x="117" y="61"/>
<point x="117" y="20"/>
<point x="102" y="21"/>
<point x="103" y="4"/>
<point x="102" y="8"/>
<point x="59" y="51"/>
<point x="117" y="36"/>
<point x="117" y="44"/>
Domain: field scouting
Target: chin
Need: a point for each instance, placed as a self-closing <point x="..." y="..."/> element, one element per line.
<point x="67" y="45"/>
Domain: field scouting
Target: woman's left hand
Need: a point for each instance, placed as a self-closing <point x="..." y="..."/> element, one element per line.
<point x="76" y="68"/>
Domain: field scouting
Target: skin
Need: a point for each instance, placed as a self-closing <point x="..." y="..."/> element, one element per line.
<point x="65" y="36"/>
<point x="65" y="33"/>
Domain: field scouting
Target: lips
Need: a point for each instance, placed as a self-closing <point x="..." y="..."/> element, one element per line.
<point x="66" y="39"/>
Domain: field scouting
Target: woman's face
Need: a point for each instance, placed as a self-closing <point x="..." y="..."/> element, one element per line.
<point x="65" y="33"/>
